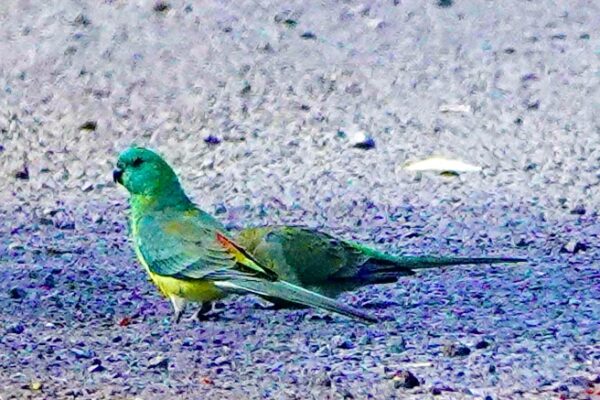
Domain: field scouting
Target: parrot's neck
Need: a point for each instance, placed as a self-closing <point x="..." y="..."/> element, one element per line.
<point x="171" y="197"/>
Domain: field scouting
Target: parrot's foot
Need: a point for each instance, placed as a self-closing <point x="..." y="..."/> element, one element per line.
<point x="179" y="304"/>
<point x="202" y="314"/>
<point x="177" y="317"/>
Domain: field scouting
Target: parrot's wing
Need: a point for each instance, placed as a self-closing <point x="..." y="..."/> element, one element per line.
<point x="184" y="248"/>
<point x="317" y="257"/>
<point x="307" y="255"/>
<point x="177" y="245"/>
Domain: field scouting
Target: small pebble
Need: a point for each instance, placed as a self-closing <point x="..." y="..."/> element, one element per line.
<point x="290" y="23"/>
<point x="83" y="21"/>
<point x="88" y="126"/>
<point x="159" y="363"/>
<point x="46" y="221"/>
<point x="573" y="247"/>
<point x="17" y="293"/>
<point x="221" y="360"/>
<point x="287" y="18"/>
<point x="366" y="145"/>
<point x="210" y="139"/>
<point x="483" y="344"/>
<point x="50" y="211"/>
<point x="23" y="174"/>
<point x="161" y="6"/>
<point x="361" y="140"/>
<point x="96" y="368"/>
<point x="405" y="379"/>
<point x="16" y="329"/>
<point x="342" y="342"/>
<point x="82" y="353"/>
<point x="308" y="36"/>
<point x="578" y="210"/>
<point x="456" y="350"/>
<point x="49" y="281"/>
<point x="529" y="77"/>
<point x="246" y="88"/>
<point x="325" y="381"/>
<point x="65" y="225"/>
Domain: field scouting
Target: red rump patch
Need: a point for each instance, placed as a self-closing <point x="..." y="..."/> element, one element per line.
<point x="232" y="248"/>
<point x="228" y="244"/>
<point x="242" y="257"/>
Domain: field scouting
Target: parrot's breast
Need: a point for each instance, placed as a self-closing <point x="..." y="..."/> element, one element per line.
<point x="192" y="290"/>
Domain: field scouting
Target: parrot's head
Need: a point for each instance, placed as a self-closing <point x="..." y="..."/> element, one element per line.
<point x="143" y="172"/>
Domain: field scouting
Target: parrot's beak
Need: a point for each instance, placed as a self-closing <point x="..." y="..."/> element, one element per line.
<point x="117" y="175"/>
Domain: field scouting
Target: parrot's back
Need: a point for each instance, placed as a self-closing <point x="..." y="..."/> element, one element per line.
<point x="330" y="266"/>
<point x="308" y="258"/>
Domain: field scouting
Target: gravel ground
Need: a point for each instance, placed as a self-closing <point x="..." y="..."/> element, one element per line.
<point x="258" y="106"/>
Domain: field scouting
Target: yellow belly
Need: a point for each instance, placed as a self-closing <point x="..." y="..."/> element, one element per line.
<point x="193" y="290"/>
<point x="196" y="290"/>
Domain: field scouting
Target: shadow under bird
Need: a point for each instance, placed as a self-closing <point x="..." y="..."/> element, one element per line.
<point x="188" y="254"/>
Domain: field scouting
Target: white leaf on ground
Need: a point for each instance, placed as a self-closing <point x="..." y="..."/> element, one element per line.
<point x="455" y="108"/>
<point x="441" y="164"/>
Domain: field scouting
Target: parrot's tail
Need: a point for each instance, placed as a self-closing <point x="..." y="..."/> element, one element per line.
<point x="385" y="268"/>
<point x="294" y="294"/>
<point x="392" y="263"/>
<point x="387" y="271"/>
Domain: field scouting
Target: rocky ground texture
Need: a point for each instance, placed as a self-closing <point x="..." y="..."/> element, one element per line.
<point x="303" y="113"/>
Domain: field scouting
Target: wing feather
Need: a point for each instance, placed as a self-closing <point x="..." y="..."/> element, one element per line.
<point x="183" y="246"/>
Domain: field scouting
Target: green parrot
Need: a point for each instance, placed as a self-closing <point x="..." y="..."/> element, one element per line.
<point x="327" y="265"/>
<point x="188" y="254"/>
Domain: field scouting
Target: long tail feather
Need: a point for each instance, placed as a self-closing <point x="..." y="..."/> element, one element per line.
<point x="422" y="262"/>
<point x="381" y="261"/>
<point x="295" y="294"/>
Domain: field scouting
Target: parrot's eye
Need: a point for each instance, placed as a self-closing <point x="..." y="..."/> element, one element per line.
<point x="137" y="162"/>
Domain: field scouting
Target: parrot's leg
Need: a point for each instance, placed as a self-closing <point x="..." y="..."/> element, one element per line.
<point x="179" y="304"/>
<point x="204" y="309"/>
